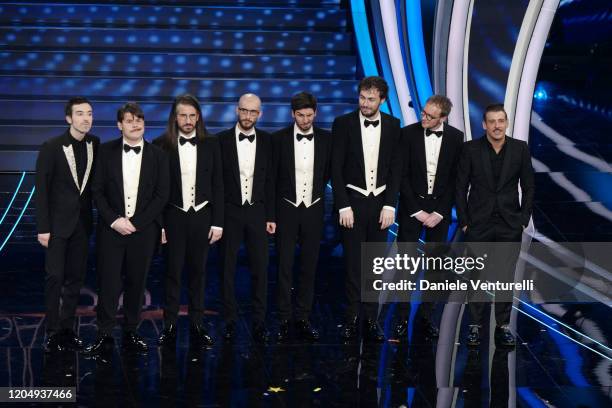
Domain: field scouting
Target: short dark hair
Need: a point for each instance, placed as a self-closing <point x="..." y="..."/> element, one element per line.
<point x="303" y="100"/>
<point x="77" y="100"/>
<point x="494" y="107"/>
<point x="374" y="82"/>
<point x="130" y="107"/>
<point x="441" y="102"/>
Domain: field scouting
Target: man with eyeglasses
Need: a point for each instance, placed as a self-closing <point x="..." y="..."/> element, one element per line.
<point x="365" y="179"/>
<point x="431" y="149"/>
<point x="193" y="218"/>
<point x="246" y="152"/>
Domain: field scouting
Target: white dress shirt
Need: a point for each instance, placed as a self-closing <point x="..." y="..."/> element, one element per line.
<point x="303" y="152"/>
<point x="370" y="143"/>
<point x="188" y="157"/>
<point x="432" y="153"/>
<point x="246" y="163"/>
<point x="131" y="162"/>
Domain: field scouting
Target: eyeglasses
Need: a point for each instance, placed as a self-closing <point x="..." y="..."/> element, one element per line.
<point x="184" y="116"/>
<point x="247" y="112"/>
<point x="428" y="116"/>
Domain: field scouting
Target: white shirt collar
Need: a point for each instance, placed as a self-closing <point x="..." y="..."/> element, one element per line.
<point x="362" y="118"/>
<point x="249" y="133"/>
<point x="297" y="130"/>
<point x="141" y="143"/>
<point x="438" y="128"/>
<point x="189" y="136"/>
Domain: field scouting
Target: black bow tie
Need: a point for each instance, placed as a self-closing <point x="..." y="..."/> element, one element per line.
<point x="184" y="140"/>
<point x="374" y="123"/>
<point x="429" y="132"/>
<point x="242" y="136"/>
<point x="127" y="148"/>
<point x="301" y="136"/>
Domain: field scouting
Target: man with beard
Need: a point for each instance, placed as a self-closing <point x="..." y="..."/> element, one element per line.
<point x="246" y="152"/>
<point x="491" y="169"/>
<point x="64" y="220"/>
<point x="193" y="218"/>
<point x="302" y="155"/>
<point x="365" y="179"/>
<point x="430" y="149"/>
<point x="130" y="188"/>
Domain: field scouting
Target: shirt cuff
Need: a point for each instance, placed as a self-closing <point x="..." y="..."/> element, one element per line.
<point x="216" y="228"/>
<point x="344" y="209"/>
<point x="416" y="213"/>
<point x="388" y="207"/>
<point x="438" y="214"/>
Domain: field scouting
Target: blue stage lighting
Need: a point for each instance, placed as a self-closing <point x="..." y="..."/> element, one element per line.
<point x="540" y="94"/>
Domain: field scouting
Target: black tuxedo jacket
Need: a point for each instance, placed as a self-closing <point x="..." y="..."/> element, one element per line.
<point x="413" y="184"/>
<point x="284" y="161"/>
<point x="263" y="183"/>
<point x="209" y="175"/>
<point x="348" y="165"/>
<point x="475" y="171"/>
<point x="59" y="201"/>
<point x="153" y="185"/>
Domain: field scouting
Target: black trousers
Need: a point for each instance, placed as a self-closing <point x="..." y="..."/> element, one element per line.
<point x="245" y="223"/>
<point x="366" y="228"/>
<point x="304" y="226"/>
<point x="187" y="247"/>
<point x="410" y="230"/>
<point x="131" y="254"/>
<point x="495" y="230"/>
<point x="65" y="270"/>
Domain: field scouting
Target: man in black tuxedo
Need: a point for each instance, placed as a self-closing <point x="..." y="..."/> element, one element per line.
<point x="247" y="153"/>
<point x="430" y="152"/>
<point x="493" y="167"/>
<point x="365" y="179"/>
<point x="302" y="154"/>
<point x="130" y="188"/>
<point x="64" y="220"/>
<point x="193" y="218"/>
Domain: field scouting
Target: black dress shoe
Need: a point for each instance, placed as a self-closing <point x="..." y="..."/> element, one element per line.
<point x="260" y="333"/>
<point x="401" y="330"/>
<point x="372" y="332"/>
<point x="133" y="341"/>
<point x="230" y="331"/>
<point x="168" y="336"/>
<point x="53" y="343"/>
<point x="349" y="330"/>
<point x="305" y="330"/>
<point x="103" y="342"/>
<point x="283" y="331"/>
<point x="199" y="336"/>
<point x="504" y="337"/>
<point x="71" y="341"/>
<point x="473" y="337"/>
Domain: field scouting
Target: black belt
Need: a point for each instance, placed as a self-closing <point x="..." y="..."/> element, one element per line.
<point x="428" y="197"/>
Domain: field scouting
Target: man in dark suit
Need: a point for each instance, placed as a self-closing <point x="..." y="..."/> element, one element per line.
<point x="64" y="220"/>
<point x="246" y="152"/>
<point x="302" y="154"/>
<point x="430" y="152"/>
<point x="365" y="180"/>
<point x="492" y="168"/>
<point x="193" y="218"/>
<point x="130" y="188"/>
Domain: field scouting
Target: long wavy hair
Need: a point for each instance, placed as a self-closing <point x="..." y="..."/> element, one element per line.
<point x="172" y="129"/>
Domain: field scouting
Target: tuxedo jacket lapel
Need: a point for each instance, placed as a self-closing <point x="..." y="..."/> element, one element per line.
<point x="116" y="168"/>
<point x="486" y="162"/>
<point x="358" y="140"/>
<point x="318" y="162"/>
<point x="289" y="151"/>
<point x="505" y="164"/>
<point x="145" y="171"/>
<point x="69" y="153"/>
<point x="90" y="158"/>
